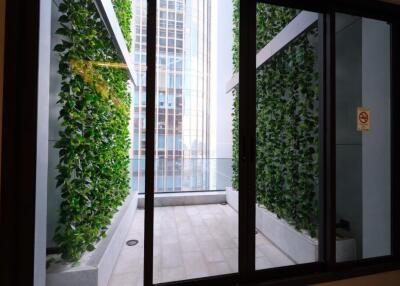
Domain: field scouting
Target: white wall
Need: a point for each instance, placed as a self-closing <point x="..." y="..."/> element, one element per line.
<point x="221" y="73"/>
<point x="53" y="195"/>
<point x="42" y="141"/>
<point x="376" y="142"/>
<point x="221" y="103"/>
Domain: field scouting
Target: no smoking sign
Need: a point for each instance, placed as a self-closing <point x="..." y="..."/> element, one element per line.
<point x="363" y="119"/>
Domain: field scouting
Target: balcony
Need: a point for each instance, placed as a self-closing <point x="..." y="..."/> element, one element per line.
<point x="196" y="227"/>
<point x="190" y="242"/>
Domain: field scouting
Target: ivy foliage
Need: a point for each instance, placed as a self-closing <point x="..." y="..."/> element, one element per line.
<point x="93" y="169"/>
<point x="123" y="10"/>
<point x="235" y="93"/>
<point x="287" y="122"/>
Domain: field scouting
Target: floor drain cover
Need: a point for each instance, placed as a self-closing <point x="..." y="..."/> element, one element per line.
<point x="224" y="204"/>
<point x="132" y="242"/>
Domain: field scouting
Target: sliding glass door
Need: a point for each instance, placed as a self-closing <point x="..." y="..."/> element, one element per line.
<point x="287" y="136"/>
<point x="192" y="190"/>
<point x="195" y="229"/>
<point x="296" y="173"/>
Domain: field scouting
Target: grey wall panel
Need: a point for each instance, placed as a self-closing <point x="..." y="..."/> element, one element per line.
<point x="376" y="142"/>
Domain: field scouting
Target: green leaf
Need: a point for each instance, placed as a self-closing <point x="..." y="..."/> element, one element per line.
<point x="59" y="48"/>
<point x="286" y="136"/>
<point x="93" y="168"/>
<point x="63" y="18"/>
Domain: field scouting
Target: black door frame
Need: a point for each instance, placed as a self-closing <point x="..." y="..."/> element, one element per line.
<point x="18" y="178"/>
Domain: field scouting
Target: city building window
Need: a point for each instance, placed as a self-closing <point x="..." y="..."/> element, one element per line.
<point x="171" y="61"/>
<point x="163" y="42"/>
<point x="171" y="4"/>
<point x="136" y="98"/>
<point x="178" y="142"/>
<point x="161" y="99"/>
<point x="143" y="98"/>
<point x="170" y="142"/>
<point x="163" y="15"/>
<point x="178" y="63"/>
<point x="179" y="17"/>
<point x="161" y="80"/>
<point x="163" y="33"/>
<point x="170" y="100"/>
<point x="161" y="60"/>
<point x="163" y="23"/>
<point x="161" y="141"/>
<point x="178" y="81"/>
<point x="179" y="5"/>
<point x="171" y="78"/>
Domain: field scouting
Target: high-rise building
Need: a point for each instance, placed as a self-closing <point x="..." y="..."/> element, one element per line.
<point x="182" y="95"/>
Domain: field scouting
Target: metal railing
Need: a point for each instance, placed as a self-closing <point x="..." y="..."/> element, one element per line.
<point x="184" y="175"/>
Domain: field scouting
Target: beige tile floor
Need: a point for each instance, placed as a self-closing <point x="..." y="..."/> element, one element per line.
<point x="190" y="242"/>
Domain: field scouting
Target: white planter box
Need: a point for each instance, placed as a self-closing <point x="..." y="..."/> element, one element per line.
<point x="297" y="245"/>
<point x="95" y="268"/>
<point x="185" y="199"/>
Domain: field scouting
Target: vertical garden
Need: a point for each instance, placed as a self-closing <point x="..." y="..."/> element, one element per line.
<point x="93" y="169"/>
<point x="287" y="137"/>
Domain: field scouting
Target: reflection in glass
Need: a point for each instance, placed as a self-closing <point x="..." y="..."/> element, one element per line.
<point x="194" y="235"/>
<point x="287" y="137"/>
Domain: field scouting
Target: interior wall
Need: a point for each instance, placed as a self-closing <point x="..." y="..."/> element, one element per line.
<point x="53" y="196"/>
<point x="348" y="139"/>
<point x="222" y="71"/>
<point x="376" y="187"/>
<point x="221" y="102"/>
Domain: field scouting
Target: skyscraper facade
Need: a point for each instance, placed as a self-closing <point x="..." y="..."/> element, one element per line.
<point x="182" y="95"/>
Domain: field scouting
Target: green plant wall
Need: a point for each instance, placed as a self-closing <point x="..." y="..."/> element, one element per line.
<point x="94" y="139"/>
<point x="287" y="122"/>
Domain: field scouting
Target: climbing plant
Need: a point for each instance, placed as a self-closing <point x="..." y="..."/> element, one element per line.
<point x="235" y="111"/>
<point x="287" y="122"/>
<point x="93" y="175"/>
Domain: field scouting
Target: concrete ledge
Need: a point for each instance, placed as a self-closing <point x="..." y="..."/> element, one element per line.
<point x="185" y="199"/>
<point x="299" y="246"/>
<point x="232" y="198"/>
<point x="95" y="268"/>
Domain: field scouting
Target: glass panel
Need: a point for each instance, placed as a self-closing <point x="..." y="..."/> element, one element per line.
<point x="362" y="138"/>
<point x="287" y="137"/>
<point x="194" y="235"/>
